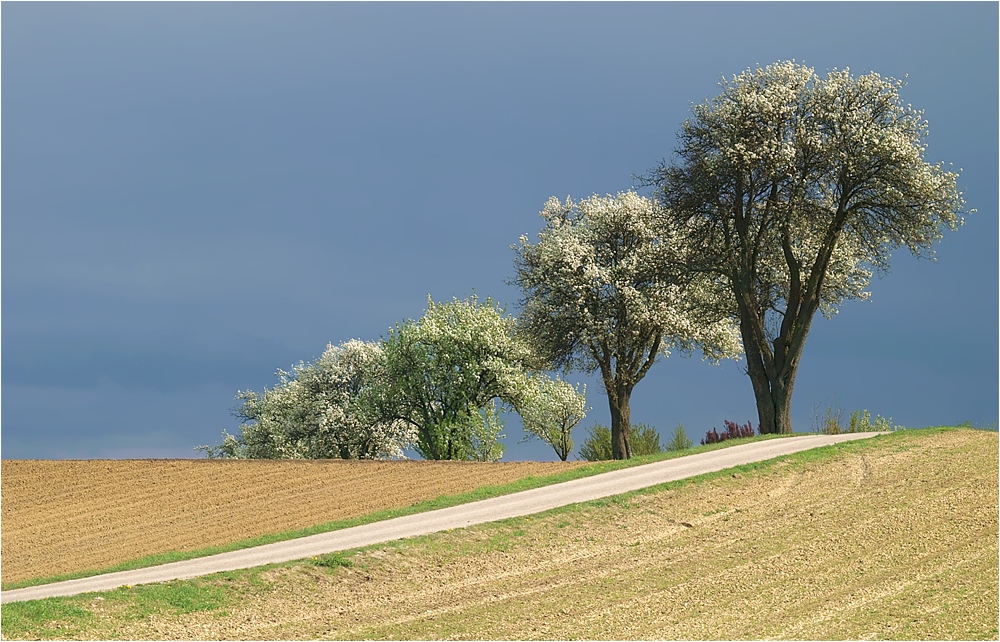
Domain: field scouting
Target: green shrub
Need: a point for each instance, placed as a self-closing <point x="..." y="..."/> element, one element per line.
<point x="679" y="439"/>
<point x="597" y="446"/>
<point x="831" y="422"/>
<point x="861" y="421"/>
<point x="645" y="440"/>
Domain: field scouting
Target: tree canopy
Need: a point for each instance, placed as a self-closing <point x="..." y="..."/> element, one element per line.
<point x="550" y="409"/>
<point x="795" y="189"/>
<point x="788" y="192"/>
<point x="320" y="410"/>
<point x="443" y="368"/>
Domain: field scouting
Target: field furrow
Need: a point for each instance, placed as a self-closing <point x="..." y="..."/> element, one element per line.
<point x="69" y="516"/>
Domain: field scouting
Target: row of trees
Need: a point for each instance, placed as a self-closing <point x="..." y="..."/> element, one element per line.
<point x="788" y="192"/>
<point x="440" y="385"/>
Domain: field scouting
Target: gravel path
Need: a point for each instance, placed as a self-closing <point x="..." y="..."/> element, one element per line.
<point x="497" y="508"/>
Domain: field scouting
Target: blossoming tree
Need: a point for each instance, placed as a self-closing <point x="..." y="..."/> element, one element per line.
<point x="550" y="409"/>
<point x="320" y="410"/>
<point x="451" y="372"/>
<point x="795" y="189"/>
<point x="596" y="297"/>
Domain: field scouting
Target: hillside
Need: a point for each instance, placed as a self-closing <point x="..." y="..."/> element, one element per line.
<point x="895" y="537"/>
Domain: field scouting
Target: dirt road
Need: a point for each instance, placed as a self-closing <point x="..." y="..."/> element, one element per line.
<point x="518" y="504"/>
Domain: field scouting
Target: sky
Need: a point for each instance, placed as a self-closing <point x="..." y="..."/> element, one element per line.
<point x="197" y="194"/>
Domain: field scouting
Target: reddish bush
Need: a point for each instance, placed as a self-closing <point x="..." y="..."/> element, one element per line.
<point x="732" y="431"/>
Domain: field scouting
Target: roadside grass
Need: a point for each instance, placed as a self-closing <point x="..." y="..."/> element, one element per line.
<point x="46" y="619"/>
<point x="103" y="615"/>
<point x="444" y="501"/>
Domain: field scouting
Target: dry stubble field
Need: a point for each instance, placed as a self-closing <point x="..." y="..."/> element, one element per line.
<point x="62" y="517"/>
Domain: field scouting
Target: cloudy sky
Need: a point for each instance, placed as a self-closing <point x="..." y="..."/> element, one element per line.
<point x="195" y="195"/>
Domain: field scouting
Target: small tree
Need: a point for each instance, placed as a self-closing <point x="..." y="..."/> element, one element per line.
<point x="597" y="297"/>
<point x="597" y="446"/>
<point x="550" y="409"/>
<point x="646" y="440"/>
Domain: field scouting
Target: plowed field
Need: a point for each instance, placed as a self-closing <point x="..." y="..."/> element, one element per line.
<point x="67" y="516"/>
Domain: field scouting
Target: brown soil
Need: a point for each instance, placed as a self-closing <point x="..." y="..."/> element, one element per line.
<point x="896" y="539"/>
<point x="62" y="517"/>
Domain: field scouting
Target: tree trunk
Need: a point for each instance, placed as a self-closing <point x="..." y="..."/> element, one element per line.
<point x="772" y="387"/>
<point x="757" y="372"/>
<point x="781" y="361"/>
<point x="621" y="430"/>
<point x="774" y="402"/>
<point x="762" y="394"/>
<point x="782" y="398"/>
<point x="564" y="445"/>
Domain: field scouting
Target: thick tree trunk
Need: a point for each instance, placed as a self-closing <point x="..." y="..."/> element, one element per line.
<point x="621" y="429"/>
<point x="774" y="405"/>
<point x="781" y="395"/>
<point x="780" y="360"/>
<point x="773" y="381"/>
<point x="774" y="401"/>
<point x="762" y="395"/>
<point x="772" y="370"/>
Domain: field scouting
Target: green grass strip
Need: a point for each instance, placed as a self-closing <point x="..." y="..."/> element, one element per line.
<point x="444" y="501"/>
<point x="71" y="617"/>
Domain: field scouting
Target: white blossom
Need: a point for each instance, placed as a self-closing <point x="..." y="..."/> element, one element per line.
<point x="550" y="409"/>
<point x="319" y="410"/>
<point x="446" y="370"/>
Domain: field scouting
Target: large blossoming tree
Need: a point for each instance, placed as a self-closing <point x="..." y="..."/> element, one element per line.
<point x="795" y="189"/>
<point x="596" y="297"/>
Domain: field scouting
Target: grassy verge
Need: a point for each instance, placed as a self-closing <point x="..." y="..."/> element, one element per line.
<point x="65" y="618"/>
<point x="444" y="501"/>
<point x="109" y="614"/>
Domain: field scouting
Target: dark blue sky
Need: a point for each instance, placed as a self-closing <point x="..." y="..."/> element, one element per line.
<point x="196" y="194"/>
